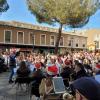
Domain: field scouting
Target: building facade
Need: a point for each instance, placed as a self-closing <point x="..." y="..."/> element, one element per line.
<point x="27" y="37"/>
<point x="93" y="40"/>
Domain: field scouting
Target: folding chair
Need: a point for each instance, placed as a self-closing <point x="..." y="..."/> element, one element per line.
<point x="57" y="90"/>
<point x="58" y="85"/>
<point x="22" y="84"/>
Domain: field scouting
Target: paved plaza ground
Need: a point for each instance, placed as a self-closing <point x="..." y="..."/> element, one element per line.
<point x="10" y="91"/>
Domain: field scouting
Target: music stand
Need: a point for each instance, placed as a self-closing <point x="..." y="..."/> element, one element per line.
<point x="58" y="85"/>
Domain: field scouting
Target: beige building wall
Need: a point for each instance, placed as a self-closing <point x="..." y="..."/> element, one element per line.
<point x="72" y="37"/>
<point x="1" y="34"/>
<point x="93" y="35"/>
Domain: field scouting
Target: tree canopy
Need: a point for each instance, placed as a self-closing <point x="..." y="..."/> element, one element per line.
<point x="73" y="13"/>
<point x="3" y="6"/>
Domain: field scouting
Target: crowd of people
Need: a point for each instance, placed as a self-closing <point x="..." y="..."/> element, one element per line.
<point x="80" y="71"/>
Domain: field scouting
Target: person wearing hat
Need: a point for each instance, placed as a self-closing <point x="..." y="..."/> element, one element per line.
<point x="52" y="70"/>
<point x="66" y="72"/>
<point x="46" y="86"/>
<point x="86" y="88"/>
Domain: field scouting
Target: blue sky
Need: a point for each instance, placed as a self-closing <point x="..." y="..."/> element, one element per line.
<point x="18" y="11"/>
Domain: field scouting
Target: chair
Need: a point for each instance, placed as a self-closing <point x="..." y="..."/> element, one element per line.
<point x="23" y="84"/>
<point x="56" y="90"/>
<point x="58" y="85"/>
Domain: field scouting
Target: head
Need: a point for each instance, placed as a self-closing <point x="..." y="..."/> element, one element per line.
<point x="53" y="60"/>
<point x="86" y="61"/>
<point x="67" y="63"/>
<point x="38" y="65"/>
<point x="12" y="52"/>
<point x="60" y="60"/>
<point x="23" y="65"/>
<point x="86" y="88"/>
<point x="37" y="73"/>
<point x="67" y="96"/>
<point x="79" y="67"/>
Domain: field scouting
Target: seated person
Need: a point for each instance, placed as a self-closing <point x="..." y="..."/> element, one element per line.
<point x="66" y="72"/>
<point x="23" y="73"/>
<point x="79" y="71"/>
<point x="36" y="81"/>
<point x="46" y="86"/>
<point x="86" y="88"/>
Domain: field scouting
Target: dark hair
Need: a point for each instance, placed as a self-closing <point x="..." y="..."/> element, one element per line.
<point x="98" y="61"/>
<point x="76" y="61"/>
<point x="80" y="66"/>
<point x="38" y="73"/>
<point x="23" y="66"/>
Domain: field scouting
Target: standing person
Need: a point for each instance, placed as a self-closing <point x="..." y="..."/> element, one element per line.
<point x="12" y="65"/>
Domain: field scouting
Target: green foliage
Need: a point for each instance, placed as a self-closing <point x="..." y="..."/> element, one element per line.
<point x="3" y="6"/>
<point x="75" y="13"/>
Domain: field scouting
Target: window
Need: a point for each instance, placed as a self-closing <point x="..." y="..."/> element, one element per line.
<point x="52" y="40"/>
<point x="20" y="37"/>
<point x="76" y="44"/>
<point x="61" y="41"/>
<point x="69" y="43"/>
<point x="43" y="39"/>
<point x="83" y="45"/>
<point x="32" y="38"/>
<point x="7" y="36"/>
<point x="97" y="44"/>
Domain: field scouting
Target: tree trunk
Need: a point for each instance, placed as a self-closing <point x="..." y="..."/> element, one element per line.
<point x="58" y="39"/>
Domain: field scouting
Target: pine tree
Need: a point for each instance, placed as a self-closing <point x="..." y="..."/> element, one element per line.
<point x="73" y="13"/>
